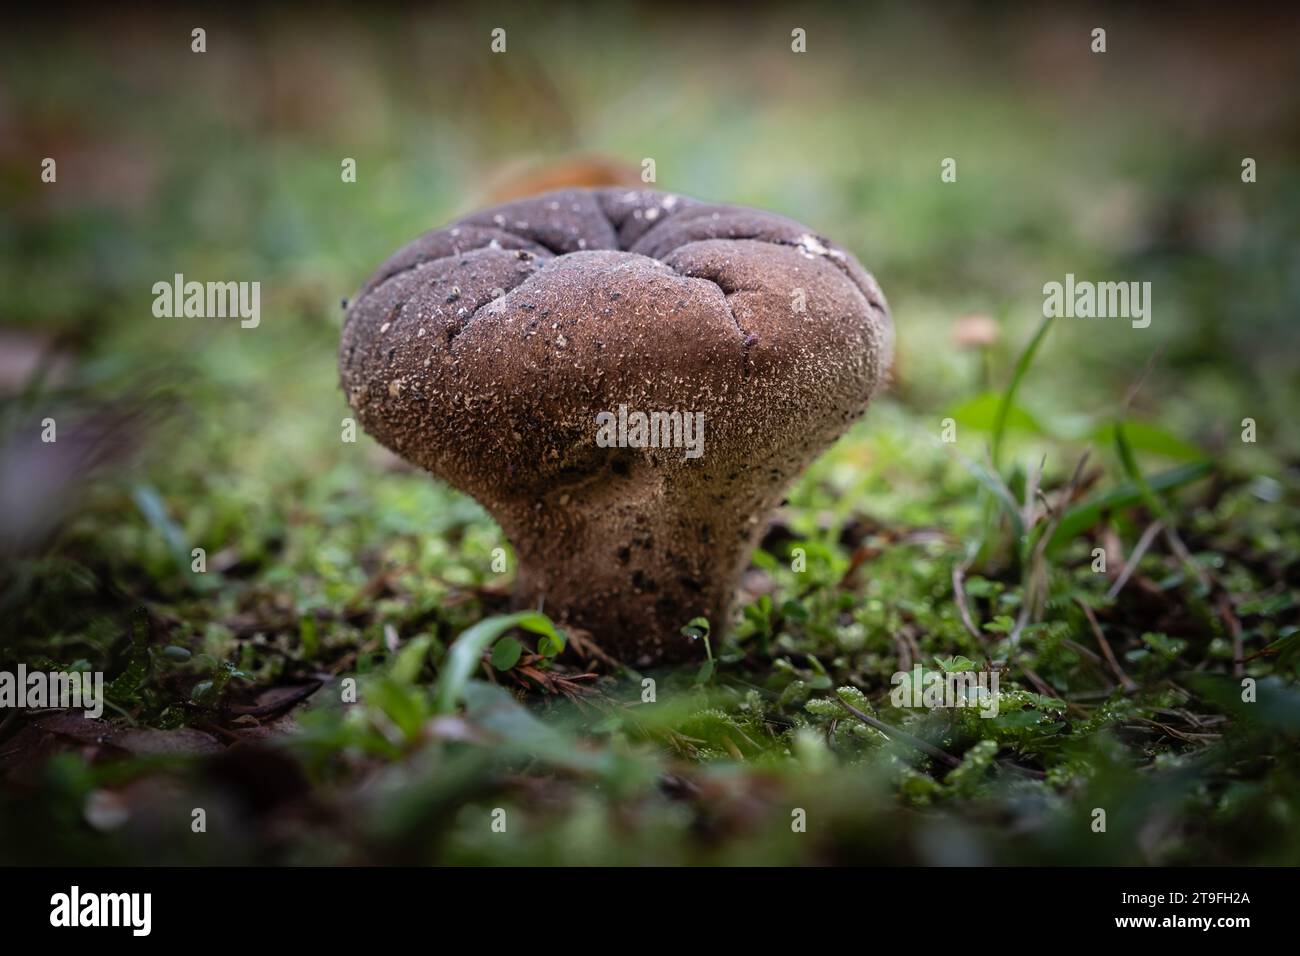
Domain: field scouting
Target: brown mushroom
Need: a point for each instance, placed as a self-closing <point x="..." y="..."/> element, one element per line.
<point x="493" y="352"/>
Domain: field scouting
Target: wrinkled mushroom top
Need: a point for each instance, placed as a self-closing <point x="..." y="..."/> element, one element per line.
<point x="484" y="350"/>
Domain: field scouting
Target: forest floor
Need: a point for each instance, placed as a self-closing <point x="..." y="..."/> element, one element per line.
<point x="342" y="681"/>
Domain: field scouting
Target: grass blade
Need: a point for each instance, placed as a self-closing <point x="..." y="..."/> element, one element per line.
<point x="1083" y="516"/>
<point x="1009" y="396"/>
<point x="467" y="651"/>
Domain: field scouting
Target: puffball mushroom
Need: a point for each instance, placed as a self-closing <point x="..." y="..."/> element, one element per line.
<point x="495" y="352"/>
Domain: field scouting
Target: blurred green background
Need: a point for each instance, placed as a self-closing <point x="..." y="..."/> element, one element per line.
<point x="329" y="559"/>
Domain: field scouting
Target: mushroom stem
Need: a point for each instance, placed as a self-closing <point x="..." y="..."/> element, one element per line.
<point x="632" y="563"/>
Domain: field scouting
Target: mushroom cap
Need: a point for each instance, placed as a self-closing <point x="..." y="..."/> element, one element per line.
<point x="484" y="350"/>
